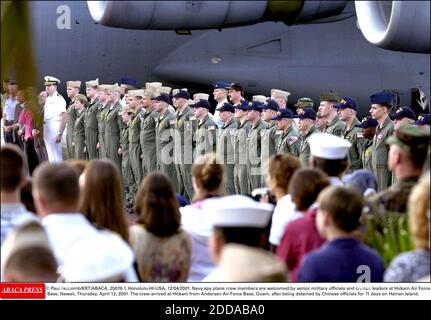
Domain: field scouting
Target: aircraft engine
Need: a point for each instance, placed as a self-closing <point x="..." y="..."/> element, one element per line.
<point x="396" y="25"/>
<point x="187" y="15"/>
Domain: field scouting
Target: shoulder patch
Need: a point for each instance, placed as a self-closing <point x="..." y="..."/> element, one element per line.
<point x="211" y="127"/>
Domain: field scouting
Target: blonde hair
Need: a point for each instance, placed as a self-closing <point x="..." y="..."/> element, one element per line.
<point x="419" y="212"/>
<point x="208" y="171"/>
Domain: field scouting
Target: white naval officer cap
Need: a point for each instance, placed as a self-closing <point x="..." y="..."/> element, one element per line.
<point x="101" y="257"/>
<point x="260" y="98"/>
<point x="237" y="211"/>
<point x="49" y="80"/>
<point x="328" y="146"/>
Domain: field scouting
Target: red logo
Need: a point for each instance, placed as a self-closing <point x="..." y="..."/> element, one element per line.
<point x="22" y="290"/>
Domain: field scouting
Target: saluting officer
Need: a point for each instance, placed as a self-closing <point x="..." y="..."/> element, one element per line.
<point x="185" y="127"/>
<point x="368" y="126"/>
<point x="334" y="125"/>
<point x="307" y="117"/>
<point x="347" y="113"/>
<point x="381" y="104"/>
<point x="225" y="146"/>
<point x="91" y="129"/>
<point x="240" y="145"/>
<point x="134" y="136"/>
<point x="289" y="140"/>
<point x="206" y="132"/>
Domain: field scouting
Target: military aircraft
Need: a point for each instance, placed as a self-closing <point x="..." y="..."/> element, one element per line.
<point x="304" y="47"/>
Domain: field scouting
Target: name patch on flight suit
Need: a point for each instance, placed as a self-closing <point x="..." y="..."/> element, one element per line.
<point x="292" y="140"/>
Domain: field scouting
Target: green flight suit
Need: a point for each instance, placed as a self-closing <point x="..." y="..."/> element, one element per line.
<point x="165" y="131"/>
<point x="336" y="127"/>
<point x="254" y="151"/>
<point x="240" y="172"/>
<point x="289" y="142"/>
<point x="205" y="137"/>
<point x="91" y="129"/>
<point x="135" y="147"/>
<point x="225" y="152"/>
<point x="70" y="123"/>
<point x="351" y="135"/>
<point x="185" y="127"/>
<point x="101" y="123"/>
<point x="367" y="151"/>
<point x="269" y="146"/>
<point x="304" y="153"/>
<point x="78" y="142"/>
<point x="113" y="126"/>
<point x="126" y="169"/>
<point x="380" y="152"/>
<point x="147" y="139"/>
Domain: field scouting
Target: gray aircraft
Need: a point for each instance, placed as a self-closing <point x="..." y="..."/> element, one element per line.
<point x="304" y="47"/>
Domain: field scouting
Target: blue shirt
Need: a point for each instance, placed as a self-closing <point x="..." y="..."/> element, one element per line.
<point x="342" y="260"/>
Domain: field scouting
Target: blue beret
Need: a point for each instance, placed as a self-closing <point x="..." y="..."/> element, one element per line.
<point x="346" y="102"/>
<point x="162" y="97"/>
<point x="221" y="85"/>
<point x="424" y="118"/>
<point x="254" y="105"/>
<point x="242" y="105"/>
<point x="306" y="113"/>
<point x="129" y="81"/>
<point x="283" y="114"/>
<point x="181" y="94"/>
<point x="270" y="104"/>
<point x="382" y="97"/>
<point x="201" y="104"/>
<point x="226" y="107"/>
<point x="367" y="122"/>
<point x="403" y="112"/>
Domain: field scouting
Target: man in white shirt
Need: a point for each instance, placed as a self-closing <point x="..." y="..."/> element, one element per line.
<point x="54" y="120"/>
<point x="220" y="95"/>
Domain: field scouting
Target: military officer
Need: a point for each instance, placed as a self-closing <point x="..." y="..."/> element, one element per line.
<point x="225" y="146"/>
<point x="368" y="126"/>
<point x="240" y="146"/>
<point x="103" y="109"/>
<point x="235" y="93"/>
<point x="80" y="103"/>
<point x="403" y="115"/>
<point x="304" y="102"/>
<point x="72" y="89"/>
<point x="166" y="90"/>
<point x="113" y="125"/>
<point x="206" y="131"/>
<point x="220" y="96"/>
<point x="126" y="83"/>
<point x="165" y="138"/>
<point x="307" y="128"/>
<point x="381" y="104"/>
<point x="424" y="120"/>
<point x="254" y="146"/>
<point x="134" y="136"/>
<point x="334" y="125"/>
<point x="289" y="140"/>
<point x="280" y="97"/>
<point x="320" y="122"/>
<point x="148" y="133"/>
<point x="347" y="110"/>
<point x="91" y="129"/>
<point x="185" y="127"/>
<point x="126" y="169"/>
<point x="259" y="98"/>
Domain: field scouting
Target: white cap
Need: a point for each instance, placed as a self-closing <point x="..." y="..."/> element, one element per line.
<point x="200" y="96"/>
<point x="100" y="257"/>
<point x="238" y="211"/>
<point x="51" y="80"/>
<point x="259" y="98"/>
<point x="328" y="146"/>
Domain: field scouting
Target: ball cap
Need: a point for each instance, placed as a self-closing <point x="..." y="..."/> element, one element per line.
<point x="382" y="97"/>
<point x="306" y="113"/>
<point x="162" y="97"/>
<point x="283" y="114"/>
<point x="424" y="118"/>
<point x="181" y="94"/>
<point x="328" y="146"/>
<point x="226" y="107"/>
<point x="403" y="112"/>
<point x="201" y="103"/>
<point x="270" y="105"/>
<point x="347" y="102"/>
<point x="367" y="122"/>
<point x="221" y="85"/>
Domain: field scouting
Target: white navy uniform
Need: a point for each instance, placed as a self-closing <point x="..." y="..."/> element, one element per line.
<point x="217" y="119"/>
<point x="55" y="105"/>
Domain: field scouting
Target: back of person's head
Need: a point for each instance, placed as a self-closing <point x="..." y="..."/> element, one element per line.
<point x="281" y="167"/>
<point x="157" y="206"/>
<point x="78" y="165"/>
<point x="101" y="198"/>
<point x="12" y="168"/>
<point x="332" y="167"/>
<point x="419" y="212"/>
<point x="57" y="184"/>
<point x="344" y="206"/>
<point x="27" y="196"/>
<point x="27" y="256"/>
<point x="208" y="174"/>
<point x="305" y="185"/>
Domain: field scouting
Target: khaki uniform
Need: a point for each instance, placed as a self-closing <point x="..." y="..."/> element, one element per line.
<point x="380" y="152"/>
<point x="165" y="146"/>
<point x="226" y="153"/>
<point x="336" y="127"/>
<point x="269" y="145"/>
<point x="70" y="123"/>
<point x="148" y="141"/>
<point x="91" y="129"/>
<point x="205" y="137"/>
<point x="78" y="141"/>
<point x="304" y="152"/>
<point x="289" y="142"/>
<point x="185" y="127"/>
<point x="240" y="172"/>
<point x="135" y="147"/>
<point x="113" y="124"/>
<point x="101" y="122"/>
<point x="126" y="169"/>
<point x="254" y="151"/>
<point x="353" y="135"/>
